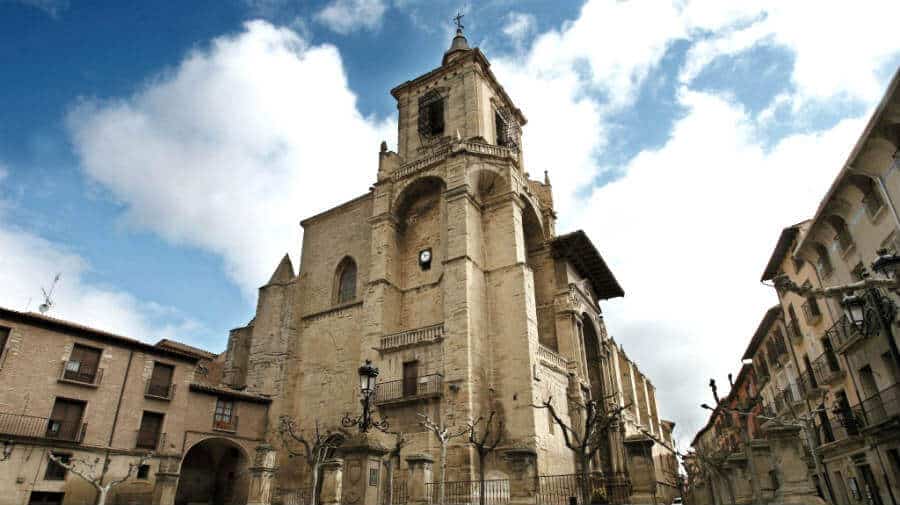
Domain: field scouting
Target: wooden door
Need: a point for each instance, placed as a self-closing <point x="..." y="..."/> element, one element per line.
<point x="410" y="377"/>
<point x="65" y="420"/>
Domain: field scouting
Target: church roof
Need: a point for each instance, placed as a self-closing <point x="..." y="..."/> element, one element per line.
<point x="578" y="248"/>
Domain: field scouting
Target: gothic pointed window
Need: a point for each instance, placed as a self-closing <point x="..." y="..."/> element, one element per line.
<point x="346" y="277"/>
<point x="431" y="114"/>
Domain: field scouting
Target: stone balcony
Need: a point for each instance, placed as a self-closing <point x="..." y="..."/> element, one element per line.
<point x="407" y="338"/>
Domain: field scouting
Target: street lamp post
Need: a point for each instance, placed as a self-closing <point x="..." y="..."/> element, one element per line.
<point x="367" y="386"/>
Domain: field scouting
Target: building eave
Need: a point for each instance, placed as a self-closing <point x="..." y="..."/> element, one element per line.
<point x="71" y="328"/>
<point x="580" y="251"/>
<point x="761" y="331"/>
<point x="874" y="119"/>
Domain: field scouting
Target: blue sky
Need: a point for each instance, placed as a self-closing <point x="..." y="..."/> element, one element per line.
<point x="161" y="157"/>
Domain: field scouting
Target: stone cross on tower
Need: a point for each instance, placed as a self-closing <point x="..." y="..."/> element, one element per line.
<point x="458" y="20"/>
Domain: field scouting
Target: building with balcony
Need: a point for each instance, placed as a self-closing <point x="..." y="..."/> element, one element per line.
<point x="84" y="394"/>
<point x="811" y="360"/>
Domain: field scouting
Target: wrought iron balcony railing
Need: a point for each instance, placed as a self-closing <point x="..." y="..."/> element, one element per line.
<point x="79" y="373"/>
<point x="841" y="425"/>
<point x="413" y="388"/>
<point x="882" y="405"/>
<point x="18" y="425"/>
<point x="844" y="333"/>
<point x="229" y="424"/>
<point x="826" y="368"/>
<point x="150" y="440"/>
<point x="159" y="391"/>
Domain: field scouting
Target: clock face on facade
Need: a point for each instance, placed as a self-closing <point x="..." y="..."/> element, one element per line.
<point x="425" y="258"/>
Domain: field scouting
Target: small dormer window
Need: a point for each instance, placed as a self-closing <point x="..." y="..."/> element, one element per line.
<point x="431" y="114"/>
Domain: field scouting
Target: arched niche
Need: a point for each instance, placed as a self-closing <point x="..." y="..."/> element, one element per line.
<point x="541" y="265"/>
<point x="421" y="223"/>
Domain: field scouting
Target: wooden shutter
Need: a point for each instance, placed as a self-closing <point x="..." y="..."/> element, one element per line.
<point x="67" y="416"/>
<point x="151" y="425"/>
<point x="161" y="380"/>
<point x="410" y="376"/>
<point x="88" y="360"/>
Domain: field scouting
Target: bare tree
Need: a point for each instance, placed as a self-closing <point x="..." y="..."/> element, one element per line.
<point x="443" y="435"/>
<point x="586" y="440"/>
<point x="712" y="463"/>
<point x="94" y="472"/>
<point x="316" y="448"/>
<point x="399" y="443"/>
<point x="484" y="444"/>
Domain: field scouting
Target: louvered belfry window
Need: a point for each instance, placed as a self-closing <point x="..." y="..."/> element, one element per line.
<point x="431" y="114"/>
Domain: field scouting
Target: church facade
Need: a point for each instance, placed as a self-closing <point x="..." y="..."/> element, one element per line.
<point x="448" y="275"/>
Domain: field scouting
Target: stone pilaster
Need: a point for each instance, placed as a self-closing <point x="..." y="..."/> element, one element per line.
<point x="332" y="480"/>
<point x="522" y="465"/>
<point x="262" y="476"/>
<point x="641" y="469"/>
<point x="420" y="474"/>
<point x="795" y="485"/>
<point x="166" y="481"/>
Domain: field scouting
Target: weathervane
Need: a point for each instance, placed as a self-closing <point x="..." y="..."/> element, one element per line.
<point x="458" y="20"/>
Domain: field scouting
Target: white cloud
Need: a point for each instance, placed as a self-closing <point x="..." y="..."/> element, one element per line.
<point x="688" y="231"/>
<point x="53" y="8"/>
<point x="29" y="262"/>
<point x="518" y="26"/>
<point x="345" y="16"/>
<point x="232" y="148"/>
<point x="840" y="48"/>
<point x="689" y="226"/>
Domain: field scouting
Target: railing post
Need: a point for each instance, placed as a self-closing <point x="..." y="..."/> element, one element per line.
<point x="420" y="475"/>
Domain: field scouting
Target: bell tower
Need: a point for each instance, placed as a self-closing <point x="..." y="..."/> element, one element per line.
<point x="460" y="100"/>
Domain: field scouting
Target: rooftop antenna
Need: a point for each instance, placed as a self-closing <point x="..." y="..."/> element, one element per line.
<point x="48" y="301"/>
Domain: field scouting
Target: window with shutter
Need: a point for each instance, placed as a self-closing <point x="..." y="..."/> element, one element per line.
<point x="83" y="364"/>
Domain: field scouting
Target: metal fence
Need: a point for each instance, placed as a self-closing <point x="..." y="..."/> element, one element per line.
<point x="299" y="496"/>
<point x="399" y="495"/>
<point x="560" y="489"/>
<point x="468" y="492"/>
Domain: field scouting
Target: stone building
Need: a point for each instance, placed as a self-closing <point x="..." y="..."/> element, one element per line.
<point x="85" y="394"/>
<point x="813" y="364"/>
<point x="449" y="276"/>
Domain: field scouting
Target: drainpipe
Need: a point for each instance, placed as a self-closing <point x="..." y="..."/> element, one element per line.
<point x="112" y="432"/>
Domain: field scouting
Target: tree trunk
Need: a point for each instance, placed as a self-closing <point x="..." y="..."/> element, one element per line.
<point x="443" y="473"/>
<point x="481" y="478"/>
<point x="101" y="495"/>
<point x="313" y="490"/>
<point x="585" y="482"/>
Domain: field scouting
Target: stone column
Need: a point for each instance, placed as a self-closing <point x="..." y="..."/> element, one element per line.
<point x="332" y="479"/>
<point x="166" y="481"/>
<point x="522" y="464"/>
<point x="790" y="463"/>
<point x="420" y="468"/>
<point x="262" y="476"/>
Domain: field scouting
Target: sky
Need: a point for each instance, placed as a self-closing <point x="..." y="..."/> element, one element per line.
<point x="160" y="156"/>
